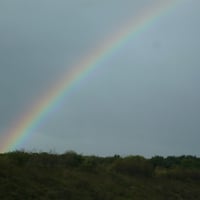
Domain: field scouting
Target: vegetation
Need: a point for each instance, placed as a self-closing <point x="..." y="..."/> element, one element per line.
<point x="73" y="176"/>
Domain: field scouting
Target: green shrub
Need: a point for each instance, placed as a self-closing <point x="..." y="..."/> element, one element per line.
<point x="71" y="159"/>
<point x="134" y="165"/>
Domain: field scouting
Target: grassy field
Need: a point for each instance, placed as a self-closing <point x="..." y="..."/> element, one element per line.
<point x="76" y="177"/>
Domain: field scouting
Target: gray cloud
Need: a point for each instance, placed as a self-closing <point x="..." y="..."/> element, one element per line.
<point x="143" y="99"/>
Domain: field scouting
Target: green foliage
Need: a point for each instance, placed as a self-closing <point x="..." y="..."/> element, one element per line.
<point x="158" y="161"/>
<point x="76" y="177"/>
<point x="71" y="159"/>
<point x="134" y="165"/>
<point x="18" y="158"/>
<point x="90" y="164"/>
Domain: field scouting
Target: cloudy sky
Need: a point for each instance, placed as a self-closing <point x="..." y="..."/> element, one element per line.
<point x="143" y="99"/>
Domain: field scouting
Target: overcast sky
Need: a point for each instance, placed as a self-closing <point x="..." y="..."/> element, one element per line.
<point x="143" y="100"/>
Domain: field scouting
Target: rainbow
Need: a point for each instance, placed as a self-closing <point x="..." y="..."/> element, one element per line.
<point x="34" y="116"/>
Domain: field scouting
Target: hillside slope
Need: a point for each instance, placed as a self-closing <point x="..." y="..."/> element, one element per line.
<point x="76" y="177"/>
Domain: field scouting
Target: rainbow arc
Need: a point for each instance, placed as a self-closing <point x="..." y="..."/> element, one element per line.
<point x="32" y="118"/>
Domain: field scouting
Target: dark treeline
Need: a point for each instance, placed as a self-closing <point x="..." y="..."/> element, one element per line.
<point x="30" y="175"/>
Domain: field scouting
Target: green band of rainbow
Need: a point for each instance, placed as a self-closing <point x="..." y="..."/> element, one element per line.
<point x="32" y="118"/>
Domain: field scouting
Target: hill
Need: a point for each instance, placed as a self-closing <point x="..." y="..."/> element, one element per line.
<point x="71" y="176"/>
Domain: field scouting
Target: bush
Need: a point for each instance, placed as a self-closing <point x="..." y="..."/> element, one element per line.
<point x="134" y="165"/>
<point x="71" y="159"/>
